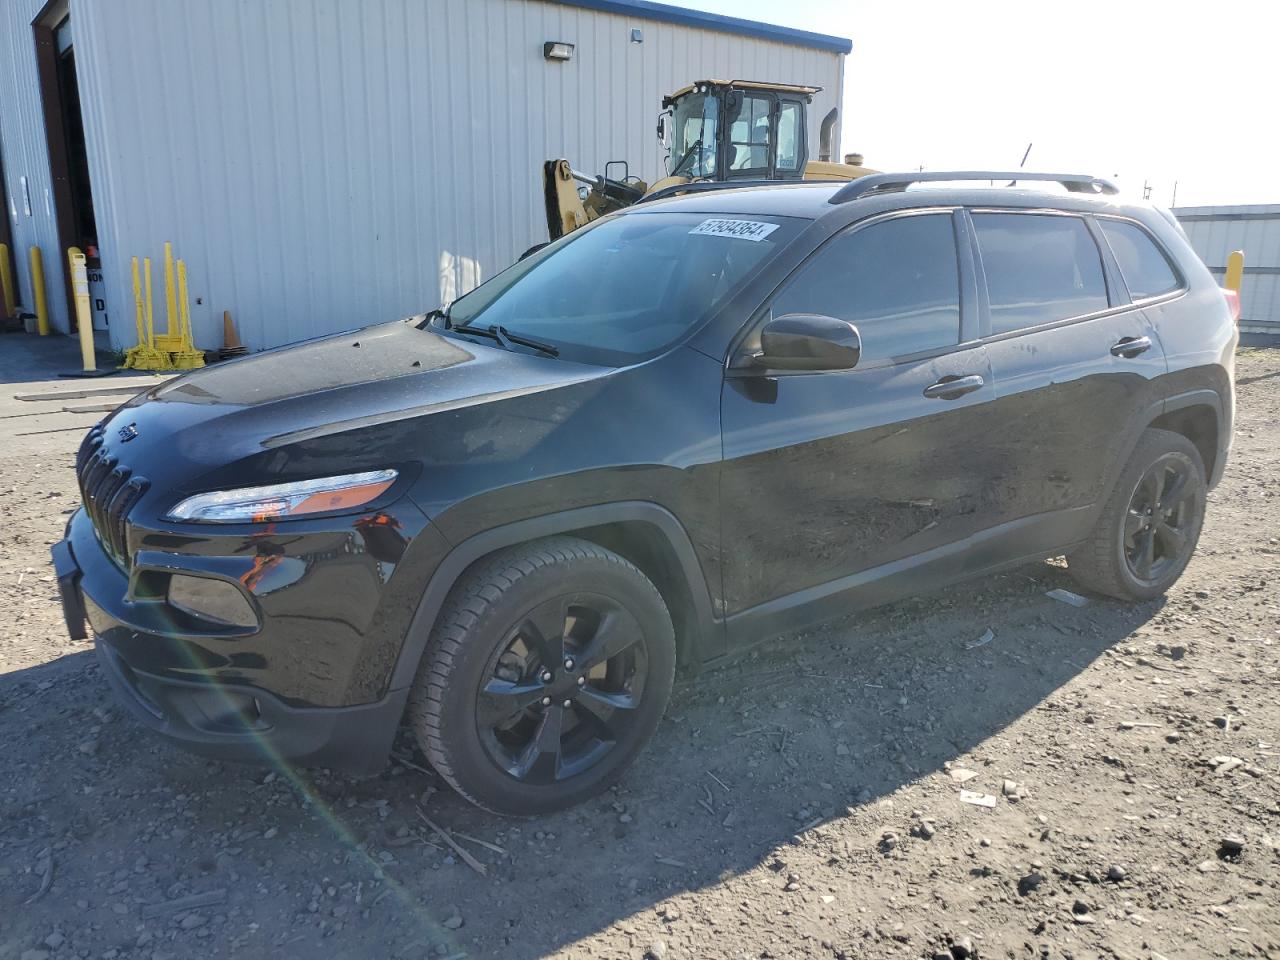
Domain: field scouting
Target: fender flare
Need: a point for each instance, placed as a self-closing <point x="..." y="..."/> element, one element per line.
<point x="1180" y="401"/>
<point x="1195" y="398"/>
<point x="709" y="632"/>
<point x="1208" y="398"/>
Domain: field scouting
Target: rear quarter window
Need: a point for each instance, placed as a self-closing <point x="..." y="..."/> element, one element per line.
<point x="1143" y="265"/>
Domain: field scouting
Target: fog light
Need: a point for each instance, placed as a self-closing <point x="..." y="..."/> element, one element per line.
<point x="214" y="600"/>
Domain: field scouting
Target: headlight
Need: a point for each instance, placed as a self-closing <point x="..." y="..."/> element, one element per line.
<point x="282" y="500"/>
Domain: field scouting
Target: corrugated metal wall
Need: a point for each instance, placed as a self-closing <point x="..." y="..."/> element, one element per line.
<point x="323" y="164"/>
<point x="1215" y="231"/>
<point x="22" y="141"/>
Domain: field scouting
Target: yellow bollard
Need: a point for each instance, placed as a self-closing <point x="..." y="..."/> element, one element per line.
<point x="6" y="281"/>
<point x="187" y="356"/>
<point x="144" y="356"/>
<point x="137" y="306"/>
<point x="170" y="340"/>
<point x="37" y="286"/>
<point x="84" y="319"/>
<point x="1235" y="270"/>
<point x="184" y="308"/>
<point x="78" y="274"/>
<point x="170" y="291"/>
<point x="151" y="323"/>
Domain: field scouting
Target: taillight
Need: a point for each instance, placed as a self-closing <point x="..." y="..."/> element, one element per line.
<point x="1233" y="303"/>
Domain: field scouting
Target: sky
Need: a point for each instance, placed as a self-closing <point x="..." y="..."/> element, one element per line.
<point x="1145" y="92"/>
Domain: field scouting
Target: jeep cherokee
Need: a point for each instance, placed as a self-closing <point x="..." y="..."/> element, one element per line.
<point x="689" y="426"/>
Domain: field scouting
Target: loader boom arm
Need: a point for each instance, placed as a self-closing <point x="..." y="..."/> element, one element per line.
<point x="566" y="210"/>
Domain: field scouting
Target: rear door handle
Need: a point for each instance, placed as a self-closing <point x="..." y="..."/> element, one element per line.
<point x="1130" y="347"/>
<point x="950" y="387"/>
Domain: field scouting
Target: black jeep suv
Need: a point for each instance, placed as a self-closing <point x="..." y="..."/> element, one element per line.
<point x="689" y="426"/>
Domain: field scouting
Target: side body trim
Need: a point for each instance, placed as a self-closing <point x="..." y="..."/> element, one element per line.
<point x="1010" y="544"/>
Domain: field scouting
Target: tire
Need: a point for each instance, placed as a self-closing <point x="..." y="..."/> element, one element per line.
<point x="1116" y="561"/>
<point x="522" y="722"/>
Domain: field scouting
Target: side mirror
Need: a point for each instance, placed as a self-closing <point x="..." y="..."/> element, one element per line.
<point x="808" y="341"/>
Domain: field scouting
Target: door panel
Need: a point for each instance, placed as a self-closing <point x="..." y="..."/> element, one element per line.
<point x="829" y="474"/>
<point x="1064" y="402"/>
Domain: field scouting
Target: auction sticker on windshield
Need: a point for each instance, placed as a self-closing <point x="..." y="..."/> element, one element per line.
<point x="752" y="230"/>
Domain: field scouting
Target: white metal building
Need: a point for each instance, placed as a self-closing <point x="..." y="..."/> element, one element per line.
<point x="322" y="164"/>
<point x="1255" y="229"/>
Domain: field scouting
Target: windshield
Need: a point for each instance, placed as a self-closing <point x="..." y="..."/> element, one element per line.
<point x="693" y="137"/>
<point x="627" y="287"/>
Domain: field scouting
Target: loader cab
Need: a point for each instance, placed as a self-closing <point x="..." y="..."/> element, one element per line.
<point x="728" y="130"/>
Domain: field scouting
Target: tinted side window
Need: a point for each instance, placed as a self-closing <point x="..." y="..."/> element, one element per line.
<point x="897" y="281"/>
<point x="1145" y="269"/>
<point x="1039" y="269"/>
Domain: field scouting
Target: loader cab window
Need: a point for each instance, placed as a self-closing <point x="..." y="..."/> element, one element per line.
<point x="693" y="137"/>
<point x="749" y="134"/>
<point x="789" y="134"/>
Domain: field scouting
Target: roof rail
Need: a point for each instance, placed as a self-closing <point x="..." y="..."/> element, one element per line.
<point x="891" y="182"/>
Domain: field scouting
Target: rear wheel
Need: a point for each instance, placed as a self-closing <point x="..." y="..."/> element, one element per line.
<point x="1151" y="523"/>
<point x="546" y="675"/>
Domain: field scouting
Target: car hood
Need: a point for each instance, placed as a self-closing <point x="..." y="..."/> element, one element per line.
<point x="337" y="392"/>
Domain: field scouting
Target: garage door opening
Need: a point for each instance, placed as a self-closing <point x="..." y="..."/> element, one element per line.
<point x="68" y="156"/>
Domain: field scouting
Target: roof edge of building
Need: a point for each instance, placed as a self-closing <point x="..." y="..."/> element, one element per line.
<point x="1230" y="211"/>
<point x="648" y="10"/>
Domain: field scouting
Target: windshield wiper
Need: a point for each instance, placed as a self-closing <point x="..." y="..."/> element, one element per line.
<point x="506" y="338"/>
<point x="697" y="145"/>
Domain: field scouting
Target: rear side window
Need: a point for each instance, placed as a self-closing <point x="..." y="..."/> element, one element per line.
<point x="1039" y="269"/>
<point x="897" y="281"/>
<point x="1145" y="269"/>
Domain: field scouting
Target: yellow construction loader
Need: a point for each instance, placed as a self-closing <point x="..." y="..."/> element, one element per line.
<point x="716" y="131"/>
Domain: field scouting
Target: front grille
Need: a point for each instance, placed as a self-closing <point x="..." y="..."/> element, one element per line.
<point x="109" y="491"/>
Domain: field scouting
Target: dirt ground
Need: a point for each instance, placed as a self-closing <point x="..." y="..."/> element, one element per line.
<point x="806" y="801"/>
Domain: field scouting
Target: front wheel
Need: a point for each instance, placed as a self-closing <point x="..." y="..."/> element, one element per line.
<point x="1151" y="523"/>
<point x="546" y="675"/>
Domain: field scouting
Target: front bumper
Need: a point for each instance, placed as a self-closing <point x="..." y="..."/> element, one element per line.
<point x="221" y="721"/>
<point x="204" y="691"/>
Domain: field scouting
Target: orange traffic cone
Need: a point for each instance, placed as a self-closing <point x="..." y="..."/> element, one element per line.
<point x="231" y="345"/>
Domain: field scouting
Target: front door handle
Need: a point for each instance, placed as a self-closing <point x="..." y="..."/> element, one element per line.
<point x="1130" y="347"/>
<point x="950" y="387"/>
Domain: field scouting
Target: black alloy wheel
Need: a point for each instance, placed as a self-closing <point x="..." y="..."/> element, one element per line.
<point x="564" y="688"/>
<point x="546" y="673"/>
<point x="1162" y="514"/>
<point x="1148" y="527"/>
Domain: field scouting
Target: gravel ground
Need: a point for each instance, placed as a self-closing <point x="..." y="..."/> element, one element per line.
<point x="807" y="801"/>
